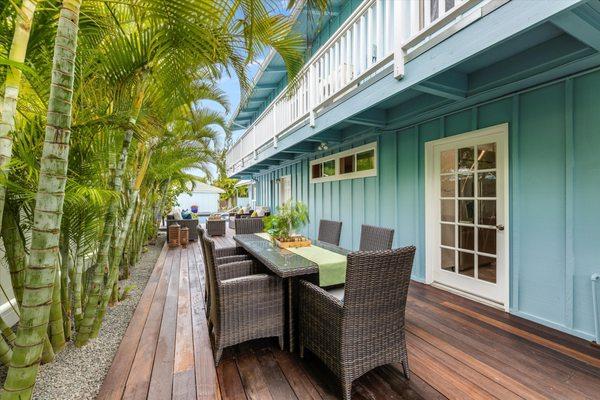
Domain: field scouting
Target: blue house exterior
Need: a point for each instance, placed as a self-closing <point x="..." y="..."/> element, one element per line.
<point x="528" y="71"/>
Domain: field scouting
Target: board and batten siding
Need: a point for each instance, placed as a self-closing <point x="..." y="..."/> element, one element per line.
<point x="554" y="141"/>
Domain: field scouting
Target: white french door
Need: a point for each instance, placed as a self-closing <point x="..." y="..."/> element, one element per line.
<point x="467" y="214"/>
<point x="285" y="189"/>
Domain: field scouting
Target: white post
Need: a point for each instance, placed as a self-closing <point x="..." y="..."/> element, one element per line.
<point x="400" y="35"/>
<point x="254" y="140"/>
<point x="379" y="29"/>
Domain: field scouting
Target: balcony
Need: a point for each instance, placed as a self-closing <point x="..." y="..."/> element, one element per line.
<point x="379" y="34"/>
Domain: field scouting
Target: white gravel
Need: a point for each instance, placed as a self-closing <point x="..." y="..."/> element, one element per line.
<point x="77" y="373"/>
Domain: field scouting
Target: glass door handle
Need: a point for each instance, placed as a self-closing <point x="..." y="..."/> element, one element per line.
<point x="500" y="227"/>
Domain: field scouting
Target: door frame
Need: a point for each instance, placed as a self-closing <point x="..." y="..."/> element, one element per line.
<point x="430" y="208"/>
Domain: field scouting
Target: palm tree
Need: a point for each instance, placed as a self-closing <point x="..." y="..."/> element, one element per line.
<point x="12" y="85"/>
<point x="41" y="271"/>
<point x="131" y="100"/>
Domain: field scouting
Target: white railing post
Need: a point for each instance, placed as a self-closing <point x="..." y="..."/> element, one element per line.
<point x="402" y="12"/>
<point x="254" y="140"/>
<point x="312" y="94"/>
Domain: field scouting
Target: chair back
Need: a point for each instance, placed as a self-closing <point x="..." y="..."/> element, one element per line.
<point x="330" y="231"/>
<point x="375" y="292"/>
<point x="202" y="233"/>
<point x="209" y="246"/>
<point x="248" y="225"/>
<point x="375" y="238"/>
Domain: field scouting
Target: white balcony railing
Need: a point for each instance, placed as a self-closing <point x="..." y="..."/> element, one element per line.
<point x="364" y="44"/>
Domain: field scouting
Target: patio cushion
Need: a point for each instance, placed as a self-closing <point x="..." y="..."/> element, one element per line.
<point x="337" y="292"/>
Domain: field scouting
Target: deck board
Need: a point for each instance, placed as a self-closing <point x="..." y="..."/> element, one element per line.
<point x="458" y="349"/>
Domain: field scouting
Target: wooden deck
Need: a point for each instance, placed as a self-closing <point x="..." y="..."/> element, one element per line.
<point x="458" y="349"/>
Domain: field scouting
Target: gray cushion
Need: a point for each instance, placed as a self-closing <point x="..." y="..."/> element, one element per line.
<point x="337" y="292"/>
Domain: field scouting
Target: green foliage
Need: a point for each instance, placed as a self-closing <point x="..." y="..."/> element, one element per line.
<point x="124" y="294"/>
<point x="289" y="218"/>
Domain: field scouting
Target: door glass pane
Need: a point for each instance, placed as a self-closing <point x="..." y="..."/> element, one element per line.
<point x="486" y="240"/>
<point x="447" y="161"/>
<point x="448" y="235"/>
<point x="486" y="268"/>
<point x="466" y="237"/>
<point x="486" y="156"/>
<point x="447" y="210"/>
<point x="448" y="260"/>
<point x="465" y="185"/>
<point x="466" y="160"/>
<point x="466" y="211"/>
<point x="329" y="168"/>
<point x="365" y="160"/>
<point x="487" y="212"/>
<point x="466" y="264"/>
<point x="487" y="184"/>
<point x="447" y="185"/>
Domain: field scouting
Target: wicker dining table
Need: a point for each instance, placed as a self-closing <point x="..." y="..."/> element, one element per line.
<point x="286" y="265"/>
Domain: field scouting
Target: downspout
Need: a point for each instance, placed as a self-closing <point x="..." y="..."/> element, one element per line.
<point x="595" y="278"/>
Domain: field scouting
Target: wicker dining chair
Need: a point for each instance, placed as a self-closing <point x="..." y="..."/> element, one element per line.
<point x="243" y="307"/>
<point x="364" y="327"/>
<point x="248" y="225"/>
<point x="375" y="238"/>
<point x="224" y="255"/>
<point x="330" y="231"/>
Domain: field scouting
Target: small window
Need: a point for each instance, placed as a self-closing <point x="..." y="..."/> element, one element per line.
<point x="347" y="164"/>
<point x="358" y="162"/>
<point x="317" y="171"/>
<point x="329" y="168"/>
<point x="365" y="160"/>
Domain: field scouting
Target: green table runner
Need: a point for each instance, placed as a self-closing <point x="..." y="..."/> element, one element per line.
<point x="332" y="266"/>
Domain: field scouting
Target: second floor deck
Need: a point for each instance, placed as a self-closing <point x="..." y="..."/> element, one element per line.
<point x="391" y="59"/>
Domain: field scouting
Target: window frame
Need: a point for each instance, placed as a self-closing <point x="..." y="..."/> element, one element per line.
<point x="350" y="175"/>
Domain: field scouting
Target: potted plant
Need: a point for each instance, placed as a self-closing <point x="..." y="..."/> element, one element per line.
<point x="289" y="219"/>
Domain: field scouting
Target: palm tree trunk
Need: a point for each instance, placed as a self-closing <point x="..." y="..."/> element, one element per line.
<point x="57" y="333"/>
<point x="119" y="243"/>
<point x="44" y="257"/>
<point x="78" y="286"/>
<point x="7" y="332"/>
<point x="5" y="352"/>
<point x="18" y="49"/>
<point x="16" y="256"/>
<point x="103" y="264"/>
<point x="66" y="265"/>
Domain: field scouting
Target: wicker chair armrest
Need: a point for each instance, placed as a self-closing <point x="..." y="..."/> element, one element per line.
<point x="231" y="259"/>
<point x="251" y="291"/>
<point x="230" y="251"/>
<point x="311" y="291"/>
<point x="236" y="270"/>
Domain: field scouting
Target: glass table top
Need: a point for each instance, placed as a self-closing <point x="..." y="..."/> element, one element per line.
<point x="281" y="261"/>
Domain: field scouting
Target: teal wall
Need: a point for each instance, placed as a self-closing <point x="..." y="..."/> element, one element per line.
<point x="554" y="195"/>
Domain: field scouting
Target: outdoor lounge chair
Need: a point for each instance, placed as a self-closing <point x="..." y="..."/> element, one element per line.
<point x="248" y="225"/>
<point x="365" y="328"/>
<point x="330" y="231"/>
<point x="224" y="255"/>
<point x="375" y="238"/>
<point x="244" y="306"/>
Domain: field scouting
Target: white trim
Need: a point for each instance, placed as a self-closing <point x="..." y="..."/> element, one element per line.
<point x="500" y="132"/>
<point x="336" y="157"/>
